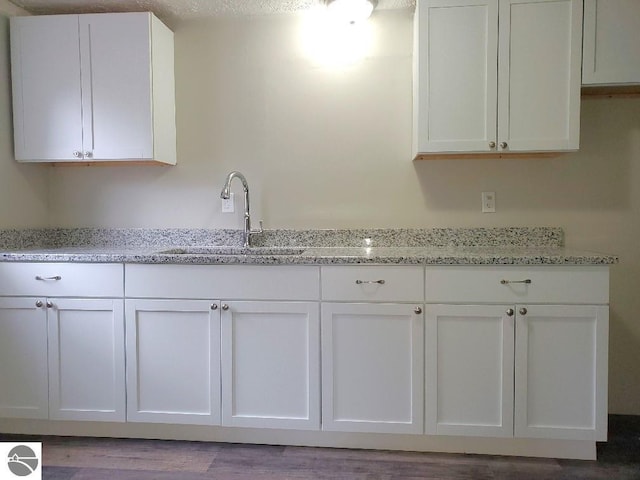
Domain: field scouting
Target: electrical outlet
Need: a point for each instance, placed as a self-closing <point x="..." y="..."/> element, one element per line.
<point x="488" y="202"/>
<point x="228" y="204"/>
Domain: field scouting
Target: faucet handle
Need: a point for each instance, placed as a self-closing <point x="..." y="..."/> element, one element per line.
<point x="260" y="230"/>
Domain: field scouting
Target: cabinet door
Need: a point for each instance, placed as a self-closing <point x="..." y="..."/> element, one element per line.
<point x="23" y="358"/>
<point x="469" y="370"/>
<point x="372" y="368"/>
<point x="611" y="38"/>
<point x="46" y="87"/>
<point x="173" y="361"/>
<point x="539" y="69"/>
<point x="116" y="81"/>
<point x="456" y="75"/>
<point x="271" y="365"/>
<point x="86" y="360"/>
<point x="561" y="372"/>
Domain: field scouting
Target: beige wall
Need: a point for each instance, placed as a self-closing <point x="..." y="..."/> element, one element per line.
<point x="23" y="188"/>
<point x="330" y="147"/>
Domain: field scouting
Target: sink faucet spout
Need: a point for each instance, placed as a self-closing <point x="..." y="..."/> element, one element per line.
<point x="225" y="194"/>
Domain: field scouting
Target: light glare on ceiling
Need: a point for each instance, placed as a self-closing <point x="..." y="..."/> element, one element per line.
<point x="350" y="11"/>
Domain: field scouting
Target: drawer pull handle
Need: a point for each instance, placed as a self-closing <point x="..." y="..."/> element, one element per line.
<point x="361" y="282"/>
<point x="507" y="282"/>
<point x="44" y="279"/>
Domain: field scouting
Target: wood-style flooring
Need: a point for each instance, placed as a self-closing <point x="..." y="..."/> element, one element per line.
<point x="78" y="458"/>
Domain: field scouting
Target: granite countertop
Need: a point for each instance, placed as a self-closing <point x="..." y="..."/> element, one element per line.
<point x="434" y="255"/>
<point x="434" y="246"/>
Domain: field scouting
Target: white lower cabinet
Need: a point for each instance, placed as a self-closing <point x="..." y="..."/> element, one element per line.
<point x="23" y="359"/>
<point x="62" y="359"/>
<point x="558" y="357"/>
<point x="532" y="364"/>
<point x="86" y="359"/>
<point x="271" y="364"/>
<point x="372" y="367"/>
<point x="469" y="370"/>
<point x="561" y="372"/>
<point x="499" y="351"/>
<point x="173" y="361"/>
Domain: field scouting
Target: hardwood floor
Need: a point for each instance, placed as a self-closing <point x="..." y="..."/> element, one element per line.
<point x="77" y="458"/>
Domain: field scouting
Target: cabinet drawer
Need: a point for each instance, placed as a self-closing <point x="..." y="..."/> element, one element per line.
<point x="373" y="283"/>
<point x="466" y="284"/>
<point x="228" y="282"/>
<point x="61" y="279"/>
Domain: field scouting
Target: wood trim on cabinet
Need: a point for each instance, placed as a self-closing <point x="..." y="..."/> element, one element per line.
<point x="610" y="91"/>
<point x="109" y="163"/>
<point x="484" y="156"/>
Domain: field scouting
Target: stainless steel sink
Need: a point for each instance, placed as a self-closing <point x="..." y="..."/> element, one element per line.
<point x="232" y="251"/>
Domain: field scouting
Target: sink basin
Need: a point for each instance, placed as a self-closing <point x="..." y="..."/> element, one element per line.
<point x="232" y="251"/>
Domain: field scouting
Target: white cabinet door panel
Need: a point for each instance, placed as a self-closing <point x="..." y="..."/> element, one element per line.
<point x="86" y="360"/>
<point x="469" y="370"/>
<point x="47" y="113"/>
<point x="23" y="358"/>
<point x="372" y="368"/>
<point x="561" y="372"/>
<point x="457" y="77"/>
<point x="539" y="65"/>
<point x="271" y="365"/>
<point x="116" y="85"/>
<point x="611" y="39"/>
<point x="173" y="361"/>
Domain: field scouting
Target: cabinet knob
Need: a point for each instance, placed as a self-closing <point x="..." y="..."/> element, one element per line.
<point x="39" y="304"/>
<point x="522" y="311"/>
<point x="417" y="310"/>
<point x="77" y="154"/>
<point x="49" y="304"/>
<point x="510" y="312"/>
<point x="225" y="307"/>
<point x="214" y="306"/>
<point x="88" y="154"/>
<point x="503" y="145"/>
<point x="492" y="144"/>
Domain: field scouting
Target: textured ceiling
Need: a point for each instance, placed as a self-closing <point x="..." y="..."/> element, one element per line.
<point x="173" y="11"/>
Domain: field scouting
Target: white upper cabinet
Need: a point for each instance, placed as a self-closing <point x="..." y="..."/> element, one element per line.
<point x="96" y="87"/>
<point x="497" y="76"/>
<point x="611" y="42"/>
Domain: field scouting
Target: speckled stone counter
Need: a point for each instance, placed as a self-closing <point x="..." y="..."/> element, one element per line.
<point x="459" y="246"/>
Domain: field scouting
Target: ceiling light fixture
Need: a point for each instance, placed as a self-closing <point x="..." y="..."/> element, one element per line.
<point x="350" y="11"/>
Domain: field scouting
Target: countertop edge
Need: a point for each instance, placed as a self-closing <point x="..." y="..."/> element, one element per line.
<point x="337" y="259"/>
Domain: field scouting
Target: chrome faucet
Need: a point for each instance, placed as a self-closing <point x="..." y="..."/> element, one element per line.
<point x="225" y="194"/>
